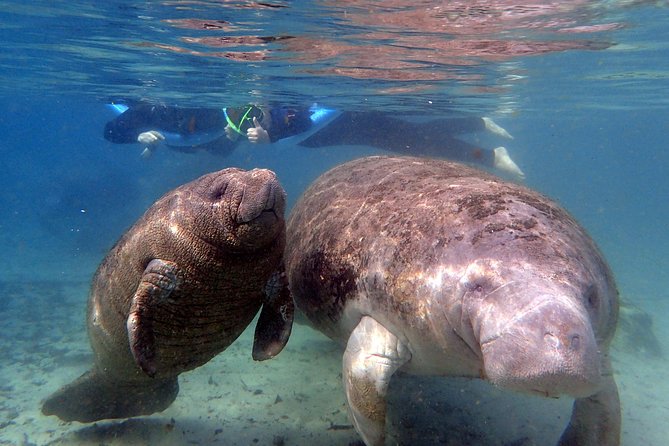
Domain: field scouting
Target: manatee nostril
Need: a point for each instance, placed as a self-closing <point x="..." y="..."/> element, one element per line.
<point x="575" y="342"/>
<point x="551" y="339"/>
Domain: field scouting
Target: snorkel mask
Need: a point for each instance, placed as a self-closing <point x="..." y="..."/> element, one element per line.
<point x="240" y="119"/>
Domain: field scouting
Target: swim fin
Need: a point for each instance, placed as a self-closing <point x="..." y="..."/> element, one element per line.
<point x="117" y="108"/>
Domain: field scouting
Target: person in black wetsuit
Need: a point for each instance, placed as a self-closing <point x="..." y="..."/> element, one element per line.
<point x="218" y="131"/>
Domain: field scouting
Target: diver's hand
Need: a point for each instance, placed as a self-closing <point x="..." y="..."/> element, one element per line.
<point x="230" y="133"/>
<point x="257" y="134"/>
<point x="151" y="137"/>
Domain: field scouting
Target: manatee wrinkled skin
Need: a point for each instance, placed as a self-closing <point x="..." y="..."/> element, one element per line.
<point x="432" y="267"/>
<point x="177" y="289"/>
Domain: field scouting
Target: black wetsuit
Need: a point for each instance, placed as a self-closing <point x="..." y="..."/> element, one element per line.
<point x="186" y="124"/>
<point x="434" y="138"/>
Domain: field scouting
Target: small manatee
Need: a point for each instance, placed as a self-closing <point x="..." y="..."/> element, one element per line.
<point x="177" y="289"/>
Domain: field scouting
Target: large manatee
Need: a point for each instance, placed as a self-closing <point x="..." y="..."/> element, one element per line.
<point x="432" y="267"/>
<point x="177" y="289"/>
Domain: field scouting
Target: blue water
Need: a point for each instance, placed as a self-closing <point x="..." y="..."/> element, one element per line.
<point x="583" y="90"/>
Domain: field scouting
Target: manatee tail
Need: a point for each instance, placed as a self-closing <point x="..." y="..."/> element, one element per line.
<point x="93" y="397"/>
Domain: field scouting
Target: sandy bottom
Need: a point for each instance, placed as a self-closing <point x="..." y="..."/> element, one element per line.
<point x="295" y="399"/>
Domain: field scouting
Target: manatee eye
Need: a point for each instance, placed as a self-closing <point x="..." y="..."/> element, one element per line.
<point x="481" y="284"/>
<point x="218" y="192"/>
<point x="478" y="287"/>
<point x="480" y="279"/>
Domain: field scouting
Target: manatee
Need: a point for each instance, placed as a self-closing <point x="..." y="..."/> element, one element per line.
<point x="177" y="289"/>
<point x="432" y="267"/>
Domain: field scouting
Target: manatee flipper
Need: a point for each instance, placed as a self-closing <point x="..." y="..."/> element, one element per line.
<point x="372" y="355"/>
<point x="160" y="278"/>
<point x="595" y="420"/>
<point x="93" y="397"/>
<point x="276" y="318"/>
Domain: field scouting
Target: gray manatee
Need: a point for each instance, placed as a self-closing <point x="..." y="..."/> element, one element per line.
<point x="431" y="267"/>
<point x="177" y="289"/>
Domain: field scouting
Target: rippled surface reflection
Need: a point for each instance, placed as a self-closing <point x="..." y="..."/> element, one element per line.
<point x="204" y="52"/>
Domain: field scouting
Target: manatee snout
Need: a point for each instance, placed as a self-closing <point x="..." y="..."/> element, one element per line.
<point x="246" y="195"/>
<point x="549" y="349"/>
<point x="257" y="193"/>
<point x="245" y="209"/>
<point x="253" y="204"/>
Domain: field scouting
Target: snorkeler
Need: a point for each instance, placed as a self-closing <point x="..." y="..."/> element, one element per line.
<point x="218" y="131"/>
<point x="212" y="129"/>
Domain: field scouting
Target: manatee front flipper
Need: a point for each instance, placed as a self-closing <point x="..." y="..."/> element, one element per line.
<point x="160" y="278"/>
<point x="92" y="397"/>
<point x="595" y="420"/>
<point x="372" y="355"/>
<point x="276" y="318"/>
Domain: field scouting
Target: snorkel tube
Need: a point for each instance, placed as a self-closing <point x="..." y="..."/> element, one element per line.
<point x="240" y="119"/>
